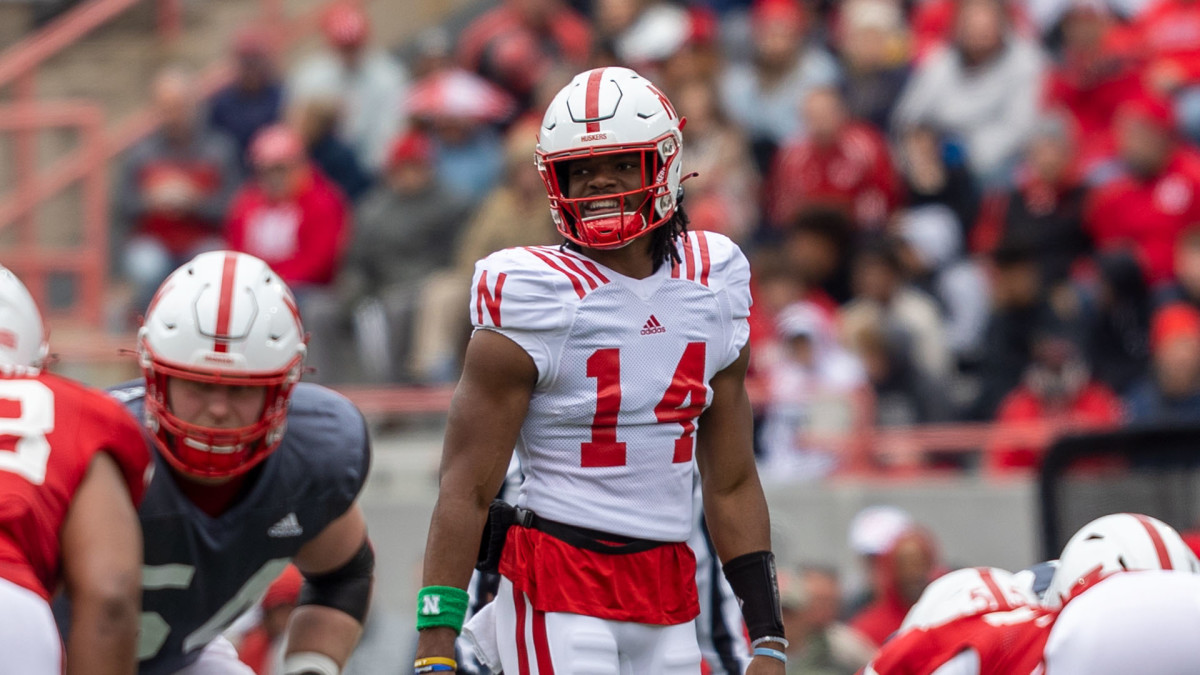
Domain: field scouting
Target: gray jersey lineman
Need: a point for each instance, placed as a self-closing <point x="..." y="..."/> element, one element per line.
<point x="200" y="572"/>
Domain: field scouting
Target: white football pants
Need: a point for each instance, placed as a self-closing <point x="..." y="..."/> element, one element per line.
<point x="29" y="639"/>
<point x="541" y="643"/>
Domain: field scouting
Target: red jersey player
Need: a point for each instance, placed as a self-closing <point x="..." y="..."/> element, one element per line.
<point x="72" y="466"/>
<point x="975" y="621"/>
<point x="615" y="365"/>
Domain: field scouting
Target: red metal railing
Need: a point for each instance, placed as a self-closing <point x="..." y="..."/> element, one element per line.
<point x="32" y="261"/>
<point x="25" y="118"/>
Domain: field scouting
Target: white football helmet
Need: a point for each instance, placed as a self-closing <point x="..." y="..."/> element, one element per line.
<point x="609" y="111"/>
<point x="968" y="592"/>
<point x="22" y="334"/>
<point x="223" y="318"/>
<point x="1117" y="543"/>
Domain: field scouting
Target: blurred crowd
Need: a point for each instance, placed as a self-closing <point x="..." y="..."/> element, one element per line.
<point x="955" y="210"/>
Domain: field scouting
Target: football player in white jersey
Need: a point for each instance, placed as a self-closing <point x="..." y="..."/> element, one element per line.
<point x="613" y="364"/>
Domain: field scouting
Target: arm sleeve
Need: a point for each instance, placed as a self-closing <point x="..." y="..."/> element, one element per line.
<point x="524" y="301"/>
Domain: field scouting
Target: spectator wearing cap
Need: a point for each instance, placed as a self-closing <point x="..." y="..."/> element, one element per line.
<point x="367" y="84"/>
<point x="818" y="644"/>
<point x="762" y="96"/>
<point x="1056" y="389"/>
<point x="1171" y="393"/>
<point x="1168" y="34"/>
<point x="900" y="575"/>
<point x="1156" y="197"/>
<point x="984" y="88"/>
<point x="261" y="648"/>
<point x="883" y="297"/>
<point x="174" y="187"/>
<point x="816" y="397"/>
<point x="289" y="214"/>
<point x="872" y="47"/>
<point x="520" y="41"/>
<point x="1094" y="75"/>
<point x="254" y="100"/>
<point x="1045" y="207"/>
<point x="839" y="162"/>
<point x="405" y="231"/>
<point x="872" y="532"/>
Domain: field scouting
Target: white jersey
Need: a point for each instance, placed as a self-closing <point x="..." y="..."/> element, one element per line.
<point x="623" y="374"/>
<point x="1133" y="622"/>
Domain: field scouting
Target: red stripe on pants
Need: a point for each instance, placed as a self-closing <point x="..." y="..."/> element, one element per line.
<point x="522" y="651"/>
<point x="541" y="645"/>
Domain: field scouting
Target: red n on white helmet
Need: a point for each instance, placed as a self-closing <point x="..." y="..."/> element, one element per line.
<point x="609" y="111"/>
<point x="968" y="592"/>
<point x="22" y="334"/>
<point x="223" y="318"/>
<point x="1117" y="543"/>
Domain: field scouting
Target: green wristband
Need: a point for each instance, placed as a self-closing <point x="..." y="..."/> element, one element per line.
<point x="441" y="606"/>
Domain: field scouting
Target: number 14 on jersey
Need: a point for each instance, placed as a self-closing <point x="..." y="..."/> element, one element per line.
<point x="687" y="386"/>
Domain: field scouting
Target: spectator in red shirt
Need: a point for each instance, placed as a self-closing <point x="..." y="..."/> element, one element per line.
<point x="1091" y="80"/>
<point x="1168" y="33"/>
<point x="1157" y="197"/>
<point x="289" y="215"/>
<point x="900" y="576"/>
<point x="839" y="162"/>
<point x="518" y="43"/>
<point x="1057" y="389"/>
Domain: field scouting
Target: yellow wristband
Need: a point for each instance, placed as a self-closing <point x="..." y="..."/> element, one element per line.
<point x="435" y="661"/>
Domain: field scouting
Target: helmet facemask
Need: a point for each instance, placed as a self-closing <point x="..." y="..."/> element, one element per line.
<point x="211" y="452"/>
<point x="638" y="211"/>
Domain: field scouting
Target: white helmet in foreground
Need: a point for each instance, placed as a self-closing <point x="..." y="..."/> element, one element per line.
<point x="224" y="318"/>
<point x="22" y="334"/>
<point x="611" y="111"/>
<point x="968" y="592"/>
<point x="1116" y="543"/>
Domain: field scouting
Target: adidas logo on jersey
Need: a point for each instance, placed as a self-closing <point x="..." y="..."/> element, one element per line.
<point x="288" y="526"/>
<point x="652" y="326"/>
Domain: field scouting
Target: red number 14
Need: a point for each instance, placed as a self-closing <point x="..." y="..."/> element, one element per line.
<point x="687" y="385"/>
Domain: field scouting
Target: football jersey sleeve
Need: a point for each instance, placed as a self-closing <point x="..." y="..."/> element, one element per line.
<point x="125" y="441"/>
<point x="731" y="271"/>
<point x="524" y="299"/>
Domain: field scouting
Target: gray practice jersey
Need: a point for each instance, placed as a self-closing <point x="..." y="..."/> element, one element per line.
<point x="201" y="572"/>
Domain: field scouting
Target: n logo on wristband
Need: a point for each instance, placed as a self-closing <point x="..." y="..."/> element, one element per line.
<point x="431" y="605"/>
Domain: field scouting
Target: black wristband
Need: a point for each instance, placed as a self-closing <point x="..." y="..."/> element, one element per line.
<point x="752" y="577"/>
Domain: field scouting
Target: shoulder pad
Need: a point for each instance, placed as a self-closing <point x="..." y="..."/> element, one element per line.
<point x="530" y="288"/>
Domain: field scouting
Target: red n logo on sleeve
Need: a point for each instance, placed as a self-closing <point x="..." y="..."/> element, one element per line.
<point x="484" y="298"/>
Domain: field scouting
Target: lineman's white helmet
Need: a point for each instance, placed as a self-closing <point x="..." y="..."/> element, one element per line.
<point x="609" y="111"/>
<point x="968" y="592"/>
<point x="1116" y="543"/>
<point x="22" y="333"/>
<point x="223" y="318"/>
